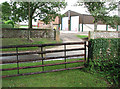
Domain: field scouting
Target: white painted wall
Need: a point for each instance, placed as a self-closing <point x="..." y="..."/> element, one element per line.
<point x="101" y="27"/>
<point x="75" y="23"/>
<point x="90" y="27"/>
<point x="86" y="27"/>
<point x="26" y="23"/>
<point x="65" y="23"/>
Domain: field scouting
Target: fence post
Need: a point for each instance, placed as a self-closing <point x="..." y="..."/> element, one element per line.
<point x="88" y="51"/>
<point x="79" y="28"/>
<point x="106" y="27"/>
<point x="117" y="27"/>
<point x="54" y="34"/>
<point x="42" y="58"/>
<point x="65" y="54"/>
<point x="85" y="50"/>
<point x="82" y="27"/>
<point x="17" y="60"/>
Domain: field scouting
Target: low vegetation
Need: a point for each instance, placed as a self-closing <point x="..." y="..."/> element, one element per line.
<point x="6" y="26"/>
<point x="82" y="36"/>
<point x="68" y="78"/>
<point x="24" y="41"/>
<point x="105" y="59"/>
<point x="101" y="71"/>
<point x="25" y="26"/>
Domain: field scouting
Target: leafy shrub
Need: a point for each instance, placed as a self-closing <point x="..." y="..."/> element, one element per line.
<point x="104" y="58"/>
<point x="10" y="22"/>
<point x="6" y="26"/>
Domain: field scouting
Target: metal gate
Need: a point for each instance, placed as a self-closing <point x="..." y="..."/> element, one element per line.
<point x="42" y="58"/>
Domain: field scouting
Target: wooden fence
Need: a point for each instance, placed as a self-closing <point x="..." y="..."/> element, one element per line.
<point x="42" y="58"/>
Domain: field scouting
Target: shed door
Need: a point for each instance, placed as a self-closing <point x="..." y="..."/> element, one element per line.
<point x="65" y="23"/>
<point x="75" y="23"/>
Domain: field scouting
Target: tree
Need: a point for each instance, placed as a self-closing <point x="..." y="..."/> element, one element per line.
<point x="5" y="11"/>
<point x="27" y="11"/>
<point x="116" y="19"/>
<point x="100" y="11"/>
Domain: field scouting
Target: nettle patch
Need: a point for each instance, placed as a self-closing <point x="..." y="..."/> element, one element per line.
<point x="104" y="57"/>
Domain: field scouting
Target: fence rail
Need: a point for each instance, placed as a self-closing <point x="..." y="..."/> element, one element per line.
<point x="41" y="45"/>
<point x="43" y="52"/>
<point x="42" y="58"/>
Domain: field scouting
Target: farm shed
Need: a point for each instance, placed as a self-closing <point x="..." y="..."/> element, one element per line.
<point x="73" y="21"/>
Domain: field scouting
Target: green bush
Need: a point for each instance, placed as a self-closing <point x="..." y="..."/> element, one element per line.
<point x="6" y="26"/>
<point x="104" y="48"/>
<point x="104" y="58"/>
<point x="10" y="22"/>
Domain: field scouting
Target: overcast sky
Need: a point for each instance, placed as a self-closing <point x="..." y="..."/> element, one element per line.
<point x="70" y="6"/>
<point x="80" y="9"/>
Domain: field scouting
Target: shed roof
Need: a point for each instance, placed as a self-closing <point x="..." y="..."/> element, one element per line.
<point x="83" y="18"/>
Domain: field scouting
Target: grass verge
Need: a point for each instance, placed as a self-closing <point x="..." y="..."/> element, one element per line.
<point x="82" y="36"/>
<point x="24" y="41"/>
<point x="68" y="78"/>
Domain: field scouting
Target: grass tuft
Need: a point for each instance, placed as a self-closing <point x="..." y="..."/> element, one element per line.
<point x="82" y="36"/>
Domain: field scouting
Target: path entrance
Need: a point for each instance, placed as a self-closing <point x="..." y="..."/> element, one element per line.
<point x="68" y="36"/>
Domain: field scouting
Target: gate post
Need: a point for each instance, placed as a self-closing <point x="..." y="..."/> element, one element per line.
<point x="88" y="51"/>
<point x="85" y="50"/>
<point x="54" y="33"/>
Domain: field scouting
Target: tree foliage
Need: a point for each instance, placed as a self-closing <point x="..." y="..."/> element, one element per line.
<point x="5" y="11"/>
<point x="24" y="11"/>
<point x="101" y="11"/>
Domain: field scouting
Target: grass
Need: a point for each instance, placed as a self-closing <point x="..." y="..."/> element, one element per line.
<point x="24" y="41"/>
<point x="82" y="36"/>
<point x="25" y="26"/>
<point x="68" y="78"/>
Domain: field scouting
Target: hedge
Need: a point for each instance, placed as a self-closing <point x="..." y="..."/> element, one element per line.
<point x="104" y="57"/>
<point x="103" y="48"/>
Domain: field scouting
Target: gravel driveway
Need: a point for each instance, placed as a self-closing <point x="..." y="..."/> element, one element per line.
<point x="67" y="36"/>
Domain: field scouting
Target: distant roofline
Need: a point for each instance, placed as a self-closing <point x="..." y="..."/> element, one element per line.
<point x="77" y="14"/>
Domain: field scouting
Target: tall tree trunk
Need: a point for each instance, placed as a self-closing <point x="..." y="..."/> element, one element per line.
<point x="95" y="26"/>
<point x="29" y="22"/>
<point x="30" y="16"/>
